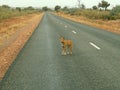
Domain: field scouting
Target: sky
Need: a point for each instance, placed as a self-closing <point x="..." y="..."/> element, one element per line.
<point x="53" y="3"/>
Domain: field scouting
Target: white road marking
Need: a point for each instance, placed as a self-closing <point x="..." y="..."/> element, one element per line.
<point x="74" y="32"/>
<point x="66" y="26"/>
<point x="94" y="45"/>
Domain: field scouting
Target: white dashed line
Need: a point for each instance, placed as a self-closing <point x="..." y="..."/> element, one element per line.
<point x="66" y="26"/>
<point x="74" y="32"/>
<point x="94" y="45"/>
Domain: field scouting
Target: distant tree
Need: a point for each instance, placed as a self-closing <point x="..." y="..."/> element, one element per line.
<point x="5" y="6"/>
<point x="94" y="7"/>
<point x="114" y="13"/>
<point x="104" y="4"/>
<point x="45" y="8"/>
<point x="115" y="10"/>
<point x="99" y="5"/>
<point x="30" y="8"/>
<point x="65" y="8"/>
<point x="82" y="6"/>
<point x="57" y="8"/>
<point x="19" y="9"/>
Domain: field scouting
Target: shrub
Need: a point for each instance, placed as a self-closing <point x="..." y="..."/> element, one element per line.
<point x="115" y="12"/>
<point x="7" y="12"/>
<point x="89" y="13"/>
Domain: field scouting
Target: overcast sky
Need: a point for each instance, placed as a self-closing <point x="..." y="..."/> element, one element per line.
<point x="53" y="3"/>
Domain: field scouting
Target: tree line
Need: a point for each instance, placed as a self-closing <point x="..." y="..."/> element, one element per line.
<point x="99" y="11"/>
<point x="8" y="12"/>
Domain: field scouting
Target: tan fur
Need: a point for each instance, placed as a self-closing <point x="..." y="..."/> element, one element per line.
<point x="66" y="44"/>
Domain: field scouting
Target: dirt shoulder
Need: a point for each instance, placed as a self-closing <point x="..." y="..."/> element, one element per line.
<point x="110" y="25"/>
<point x="14" y="33"/>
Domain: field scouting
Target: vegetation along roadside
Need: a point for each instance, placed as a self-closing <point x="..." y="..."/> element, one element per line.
<point x="98" y="16"/>
<point x="16" y="26"/>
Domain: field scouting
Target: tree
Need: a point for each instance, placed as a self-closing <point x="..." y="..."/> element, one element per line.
<point x="94" y="7"/>
<point x="115" y="10"/>
<point x="65" y="8"/>
<point x="18" y="8"/>
<point x="114" y="13"/>
<point x="45" y="8"/>
<point x="104" y="4"/>
<point x="5" y="6"/>
<point x="30" y="8"/>
<point x="57" y="8"/>
<point x="82" y="6"/>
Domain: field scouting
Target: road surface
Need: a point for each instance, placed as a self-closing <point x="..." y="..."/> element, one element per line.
<point x="94" y="64"/>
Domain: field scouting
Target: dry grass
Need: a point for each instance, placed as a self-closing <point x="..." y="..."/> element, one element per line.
<point x="110" y="25"/>
<point x="10" y="26"/>
<point x="14" y="34"/>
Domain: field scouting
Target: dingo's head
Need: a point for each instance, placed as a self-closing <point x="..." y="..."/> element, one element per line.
<point x="62" y="39"/>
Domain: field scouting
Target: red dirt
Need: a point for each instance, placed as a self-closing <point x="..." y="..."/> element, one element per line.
<point x="13" y="39"/>
<point x="110" y="25"/>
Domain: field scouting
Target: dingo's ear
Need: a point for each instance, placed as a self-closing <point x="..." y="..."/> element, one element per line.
<point x="62" y="38"/>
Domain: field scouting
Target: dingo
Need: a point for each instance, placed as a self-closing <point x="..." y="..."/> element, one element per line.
<point x="66" y="44"/>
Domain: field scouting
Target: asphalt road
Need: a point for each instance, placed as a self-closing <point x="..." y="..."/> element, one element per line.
<point x="94" y="65"/>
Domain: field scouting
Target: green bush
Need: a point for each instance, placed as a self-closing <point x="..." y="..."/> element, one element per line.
<point x="95" y="13"/>
<point x="92" y="14"/>
<point x="7" y="12"/>
<point x="115" y="12"/>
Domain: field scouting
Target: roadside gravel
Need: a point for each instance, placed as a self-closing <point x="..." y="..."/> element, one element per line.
<point x="15" y="43"/>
